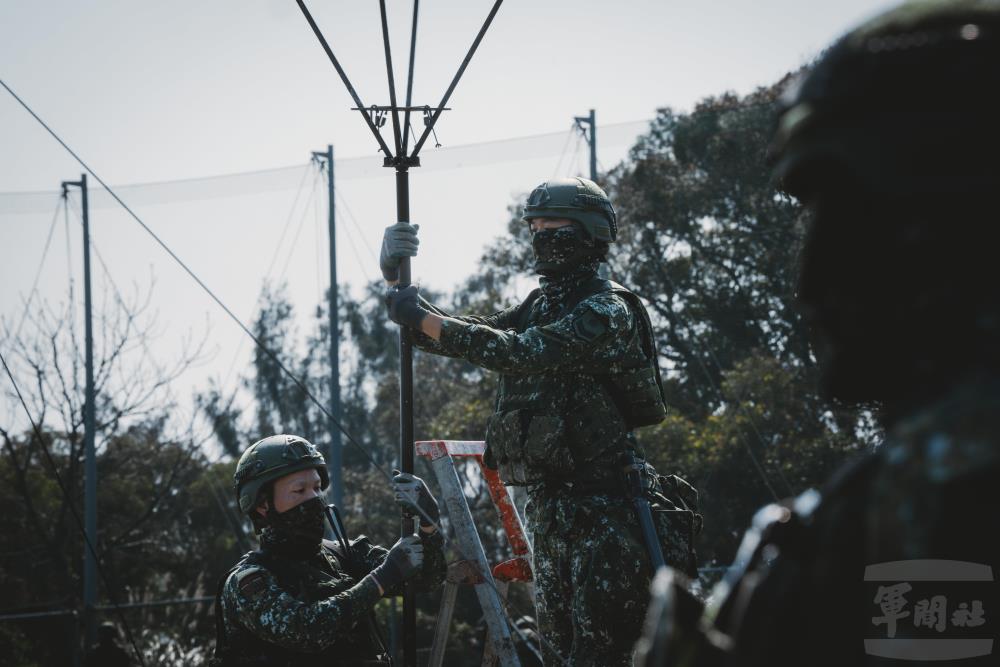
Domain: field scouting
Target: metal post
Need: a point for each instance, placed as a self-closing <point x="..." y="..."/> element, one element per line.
<point x="334" y="459"/>
<point x="406" y="419"/>
<point x="593" y="146"/>
<point x="590" y="121"/>
<point x="89" y="454"/>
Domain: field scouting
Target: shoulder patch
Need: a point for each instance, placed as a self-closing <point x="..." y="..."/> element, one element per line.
<point x="252" y="583"/>
<point x="589" y="325"/>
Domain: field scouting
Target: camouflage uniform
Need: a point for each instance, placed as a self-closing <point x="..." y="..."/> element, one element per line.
<point x="557" y="429"/>
<point x="886" y="140"/>
<point x="797" y="593"/>
<point x="279" y="608"/>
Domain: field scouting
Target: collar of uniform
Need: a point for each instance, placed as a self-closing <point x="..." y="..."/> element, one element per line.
<point x="556" y="289"/>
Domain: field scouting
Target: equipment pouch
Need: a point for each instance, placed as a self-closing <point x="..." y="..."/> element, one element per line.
<point x="503" y="436"/>
<point x="545" y="450"/>
<point x="637" y="395"/>
<point x="594" y="429"/>
<point x="524" y="446"/>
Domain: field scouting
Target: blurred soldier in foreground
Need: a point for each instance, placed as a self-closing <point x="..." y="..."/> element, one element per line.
<point x="578" y="373"/>
<point x="301" y="599"/>
<point x="892" y="142"/>
<point x="107" y="652"/>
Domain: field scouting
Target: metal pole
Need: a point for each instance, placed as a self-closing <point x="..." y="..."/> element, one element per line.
<point x="454" y="81"/>
<point x="409" y="77"/>
<point x="90" y="456"/>
<point x="593" y="146"/>
<point x="334" y="462"/>
<point x="591" y="122"/>
<point x="406" y="420"/>
<point x="397" y="137"/>
<point x="343" y="77"/>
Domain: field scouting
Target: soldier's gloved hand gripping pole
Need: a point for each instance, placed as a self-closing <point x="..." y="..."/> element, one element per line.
<point x="636" y="493"/>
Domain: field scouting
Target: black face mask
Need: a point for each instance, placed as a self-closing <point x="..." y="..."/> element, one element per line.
<point x="559" y="250"/>
<point x="298" y="530"/>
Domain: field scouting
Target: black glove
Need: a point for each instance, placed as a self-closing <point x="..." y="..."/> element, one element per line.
<point x="399" y="241"/>
<point x="402" y="562"/>
<point x="411" y="490"/>
<point x="404" y="306"/>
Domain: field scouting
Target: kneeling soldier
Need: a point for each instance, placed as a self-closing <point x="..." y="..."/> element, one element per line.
<point x="300" y="597"/>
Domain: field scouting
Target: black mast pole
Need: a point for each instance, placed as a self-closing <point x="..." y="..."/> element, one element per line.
<point x="401" y="164"/>
<point x="401" y="161"/>
<point x="409" y="78"/>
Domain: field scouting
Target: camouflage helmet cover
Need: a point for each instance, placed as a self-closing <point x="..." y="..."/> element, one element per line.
<point x="578" y="199"/>
<point x="271" y="458"/>
<point x="906" y="102"/>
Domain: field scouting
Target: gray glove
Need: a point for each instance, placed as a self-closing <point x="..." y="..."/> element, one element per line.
<point x="404" y="306"/>
<point x="412" y="491"/>
<point x="399" y="241"/>
<point x="402" y="562"/>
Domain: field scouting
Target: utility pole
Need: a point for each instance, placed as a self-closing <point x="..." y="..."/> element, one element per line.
<point x="334" y="459"/>
<point x="89" y="454"/>
<point x="591" y="122"/>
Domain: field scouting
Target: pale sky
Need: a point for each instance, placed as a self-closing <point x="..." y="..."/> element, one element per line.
<point x="155" y="91"/>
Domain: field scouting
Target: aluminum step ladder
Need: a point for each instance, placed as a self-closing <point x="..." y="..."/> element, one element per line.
<point x="490" y="584"/>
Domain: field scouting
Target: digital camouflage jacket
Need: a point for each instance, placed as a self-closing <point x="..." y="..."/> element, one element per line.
<point x="276" y="610"/>
<point x="887" y="557"/>
<point x="578" y="373"/>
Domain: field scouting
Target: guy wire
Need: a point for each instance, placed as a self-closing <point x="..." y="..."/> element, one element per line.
<point x="301" y="385"/>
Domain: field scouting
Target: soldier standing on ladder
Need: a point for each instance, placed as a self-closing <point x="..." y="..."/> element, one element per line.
<point x="578" y="373"/>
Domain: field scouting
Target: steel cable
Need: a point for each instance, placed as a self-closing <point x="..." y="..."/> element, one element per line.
<point x="274" y="358"/>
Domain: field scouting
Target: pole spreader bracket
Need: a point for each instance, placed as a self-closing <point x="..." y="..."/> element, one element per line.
<point x="401" y="161"/>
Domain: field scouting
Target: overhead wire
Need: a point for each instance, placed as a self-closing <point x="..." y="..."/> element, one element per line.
<point x="318" y="243"/>
<point x="298" y="229"/>
<point x="270" y="268"/>
<point x="562" y="153"/>
<point x="38" y="271"/>
<point x="354" y="221"/>
<point x="274" y="358"/>
<point x="76" y="516"/>
<point x="148" y="355"/>
<point x="357" y="255"/>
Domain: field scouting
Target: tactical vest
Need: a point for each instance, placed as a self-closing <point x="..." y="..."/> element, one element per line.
<point x="305" y="581"/>
<point x="573" y="423"/>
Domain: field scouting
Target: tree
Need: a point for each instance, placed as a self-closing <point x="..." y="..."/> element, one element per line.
<point x="715" y="248"/>
<point x="148" y="498"/>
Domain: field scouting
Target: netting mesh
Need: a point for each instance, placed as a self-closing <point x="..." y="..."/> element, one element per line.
<point x="288" y="178"/>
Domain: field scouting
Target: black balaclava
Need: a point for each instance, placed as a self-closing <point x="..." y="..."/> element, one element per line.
<point x="565" y="257"/>
<point x="297" y="532"/>
<point x="560" y="250"/>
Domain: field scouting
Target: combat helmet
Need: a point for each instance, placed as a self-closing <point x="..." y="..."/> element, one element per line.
<point x="578" y="199"/>
<point x="904" y="103"/>
<point x="273" y="457"/>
